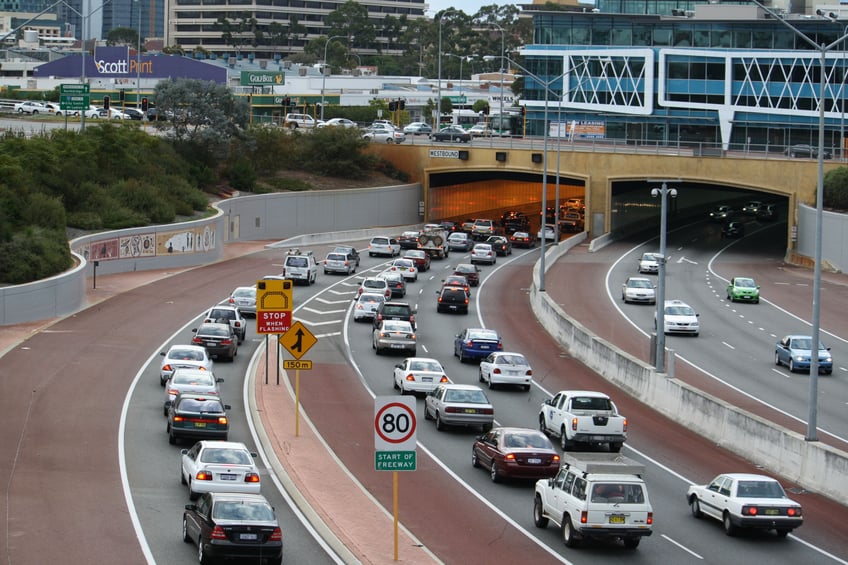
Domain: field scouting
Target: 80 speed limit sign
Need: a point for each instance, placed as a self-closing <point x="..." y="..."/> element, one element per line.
<point x="394" y="423"/>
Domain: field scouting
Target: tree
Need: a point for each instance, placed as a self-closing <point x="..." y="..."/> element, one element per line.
<point x="351" y="20"/>
<point x="203" y="112"/>
<point x="295" y="31"/>
<point x="123" y="36"/>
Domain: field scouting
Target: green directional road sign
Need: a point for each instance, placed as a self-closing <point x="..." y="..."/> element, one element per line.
<point x="74" y="97"/>
<point x="394" y="460"/>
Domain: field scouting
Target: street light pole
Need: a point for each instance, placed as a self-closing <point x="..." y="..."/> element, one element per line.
<point x="138" y="63"/>
<point x="500" y="82"/>
<point x="439" y="88"/>
<point x="324" y="71"/>
<point x="460" y="69"/>
<point x="664" y="192"/>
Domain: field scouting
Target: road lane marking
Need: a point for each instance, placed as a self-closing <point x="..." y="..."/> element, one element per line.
<point x="683" y="547"/>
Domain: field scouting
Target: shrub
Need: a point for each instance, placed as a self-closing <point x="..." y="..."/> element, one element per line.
<point x="836" y="189"/>
<point x="34" y="253"/>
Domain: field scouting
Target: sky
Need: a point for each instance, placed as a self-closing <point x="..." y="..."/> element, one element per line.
<point x="470" y="7"/>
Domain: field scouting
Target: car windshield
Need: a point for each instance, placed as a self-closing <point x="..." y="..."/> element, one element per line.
<point x="760" y="489"/>
<point x="466" y="396"/>
<point x="246" y="511"/>
<point x="745" y="283"/>
<point x="591" y="403"/>
<point x="523" y="439"/>
<point x="192" y="379"/>
<point x="648" y="257"/>
<point x="510" y="360"/>
<point x="205" y="405"/>
<point x="804" y="343"/>
<point x="639" y="283"/>
<point x="186" y="354"/>
<point x="679" y="311"/>
<point x="226" y="455"/>
<point x="483" y="334"/>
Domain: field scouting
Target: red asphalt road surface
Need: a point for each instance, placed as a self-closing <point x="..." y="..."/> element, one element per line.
<point x="61" y="394"/>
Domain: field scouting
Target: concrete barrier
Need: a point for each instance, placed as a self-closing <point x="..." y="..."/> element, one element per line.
<point x="813" y="465"/>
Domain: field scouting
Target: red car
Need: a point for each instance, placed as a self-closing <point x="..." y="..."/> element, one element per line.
<point x="515" y="453"/>
<point x="523" y="239"/>
<point x="470" y="272"/>
<point x="421" y="259"/>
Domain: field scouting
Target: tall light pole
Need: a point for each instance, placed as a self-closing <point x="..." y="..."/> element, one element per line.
<point x="439" y="88"/>
<point x="324" y="70"/>
<point x="138" y="63"/>
<point x="461" y="59"/>
<point x="812" y="413"/>
<point x="500" y="81"/>
<point x="663" y="192"/>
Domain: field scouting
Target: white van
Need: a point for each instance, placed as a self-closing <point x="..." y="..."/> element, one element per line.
<point x="300" y="266"/>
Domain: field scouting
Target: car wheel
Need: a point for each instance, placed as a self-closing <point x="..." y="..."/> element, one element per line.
<point x="539" y="518"/>
<point x="474" y="461"/>
<point x="631" y="543"/>
<point x="165" y="410"/>
<point x="777" y="359"/>
<point x="191" y="494"/>
<point x="481" y="379"/>
<point x="526" y="388"/>
<point x="172" y="439"/>
<point x="186" y="537"/>
<point x="493" y="472"/>
<point x="564" y="442"/>
<point x="182" y="478"/>
<point x="396" y="386"/>
<point x="461" y="356"/>
<point x="568" y="536"/>
<point x="791" y="365"/>
<point x="162" y="381"/>
<point x="729" y="528"/>
<point x="201" y="555"/>
<point x="695" y="508"/>
<point x="615" y="446"/>
<point x="491" y="383"/>
<point x="439" y="424"/>
<point x="427" y="413"/>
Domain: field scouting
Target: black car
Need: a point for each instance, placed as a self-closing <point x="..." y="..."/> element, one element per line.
<point x="571" y="222"/>
<point x="395" y="311"/>
<point x="134" y="113"/>
<point x="451" y="133"/>
<point x="767" y="212"/>
<point x="733" y="230"/>
<point x="409" y="239"/>
<point x="500" y="244"/>
<point x="348" y="251"/>
<point x="195" y="415"/>
<point x="808" y="151"/>
<point x="219" y="339"/>
<point x="515" y="221"/>
<point x="233" y="526"/>
<point x="452" y="299"/>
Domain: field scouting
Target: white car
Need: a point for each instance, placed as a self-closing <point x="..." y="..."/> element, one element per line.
<point x="113" y="114"/>
<point x="383" y="245"/>
<point x="219" y="466"/>
<point x="191" y="380"/>
<point x="743" y="501"/>
<point x="639" y="289"/>
<point x="183" y="357"/>
<point x="337" y="123"/>
<point x="244" y="298"/>
<point x="506" y="368"/>
<point x="406" y="267"/>
<point x="384" y="134"/>
<point x="419" y="374"/>
<point x="30" y="107"/>
<point x="649" y="263"/>
<point x="679" y="318"/>
<point x="93" y="112"/>
<point x="483" y="253"/>
<point x="548" y="232"/>
<point x="418" y="128"/>
<point x="366" y="305"/>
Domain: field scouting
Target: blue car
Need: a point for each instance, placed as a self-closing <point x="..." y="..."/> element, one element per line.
<point x="794" y="351"/>
<point x="476" y="344"/>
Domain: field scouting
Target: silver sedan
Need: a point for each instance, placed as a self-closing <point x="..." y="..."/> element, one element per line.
<point x="191" y="380"/>
<point x="459" y="405"/>
<point x="394" y="335"/>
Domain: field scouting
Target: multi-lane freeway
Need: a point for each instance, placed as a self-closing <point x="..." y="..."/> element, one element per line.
<point x="87" y="364"/>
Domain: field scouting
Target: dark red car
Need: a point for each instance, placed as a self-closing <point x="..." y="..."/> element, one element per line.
<point x="421" y="259"/>
<point x="523" y="239"/>
<point x="470" y="272"/>
<point x="515" y="453"/>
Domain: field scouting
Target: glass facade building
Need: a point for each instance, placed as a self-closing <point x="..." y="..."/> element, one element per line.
<point x="738" y="79"/>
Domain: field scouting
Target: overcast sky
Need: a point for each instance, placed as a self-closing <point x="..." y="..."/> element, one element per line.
<point x="470" y="7"/>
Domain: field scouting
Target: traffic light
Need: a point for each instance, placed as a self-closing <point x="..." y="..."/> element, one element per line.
<point x="402" y="104"/>
<point x="523" y="110"/>
<point x="144" y="104"/>
<point x="392" y="106"/>
<point x="106" y="102"/>
<point x="287" y="101"/>
<point x="121" y="95"/>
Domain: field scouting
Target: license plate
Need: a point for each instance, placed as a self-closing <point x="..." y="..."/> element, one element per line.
<point x="470" y="411"/>
<point x="211" y="344"/>
<point x="228" y="477"/>
<point x="248" y="537"/>
<point x="200" y="424"/>
<point x="771" y="512"/>
<point x="534" y="460"/>
<point x="484" y="347"/>
<point x="427" y="379"/>
<point x="397" y="346"/>
<point x="616" y="519"/>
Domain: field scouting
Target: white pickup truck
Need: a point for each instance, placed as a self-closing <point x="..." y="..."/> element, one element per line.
<point x="596" y="496"/>
<point x="583" y="417"/>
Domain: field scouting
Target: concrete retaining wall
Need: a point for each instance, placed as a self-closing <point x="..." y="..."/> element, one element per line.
<point x="813" y="465"/>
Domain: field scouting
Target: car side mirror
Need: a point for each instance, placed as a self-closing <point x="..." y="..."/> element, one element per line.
<point x="697" y="315"/>
<point x="162" y="353"/>
<point x="191" y="507"/>
<point x="183" y="451"/>
<point x="219" y="379"/>
<point x="254" y="454"/>
<point x="194" y="330"/>
<point x="227" y="406"/>
<point x="549" y="401"/>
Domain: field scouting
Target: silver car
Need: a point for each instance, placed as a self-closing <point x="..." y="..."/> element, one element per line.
<point x="639" y="289"/>
<point x="339" y="263"/>
<point x="459" y="405"/>
<point x="366" y="306"/>
<point x="394" y="335"/>
<point x="649" y="263"/>
<point x="244" y="298"/>
<point x="183" y="356"/>
<point x="191" y="380"/>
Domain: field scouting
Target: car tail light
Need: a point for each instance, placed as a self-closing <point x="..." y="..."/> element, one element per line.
<point x="251" y="478"/>
<point x="167" y="368"/>
<point x="412" y="320"/>
<point x="529" y="372"/>
<point x="232" y="300"/>
<point x="750" y="510"/>
<point x="222" y="420"/>
<point x="276" y="535"/>
<point x="226" y="341"/>
<point x="444" y="379"/>
<point x="203" y="476"/>
<point x="509" y="457"/>
<point x="379" y="318"/>
<point x="650" y="519"/>
<point x="485" y="410"/>
<point x="178" y="419"/>
<point x="410" y="377"/>
<point x="574" y="424"/>
<point x="469" y="343"/>
<point x="196" y="339"/>
<point x="466" y="301"/>
<point x="440" y="299"/>
<point x="556" y="458"/>
<point x="584" y="517"/>
<point x="173" y="392"/>
<point x="497" y="371"/>
<point x="411" y="336"/>
<point x="218" y="533"/>
<point x="625" y="424"/>
<point x="237" y="324"/>
<point x="500" y="346"/>
<point x="794" y="512"/>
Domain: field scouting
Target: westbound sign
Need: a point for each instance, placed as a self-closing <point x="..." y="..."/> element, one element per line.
<point x="273" y="306"/>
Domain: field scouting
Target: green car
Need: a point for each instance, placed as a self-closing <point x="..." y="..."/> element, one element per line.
<point x="743" y="289"/>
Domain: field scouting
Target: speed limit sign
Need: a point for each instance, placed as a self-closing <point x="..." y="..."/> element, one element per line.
<point x="394" y="423"/>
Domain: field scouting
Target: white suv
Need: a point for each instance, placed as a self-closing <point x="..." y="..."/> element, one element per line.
<point x="680" y="318"/>
<point x="295" y="121"/>
<point x="383" y="245"/>
<point x="300" y="266"/>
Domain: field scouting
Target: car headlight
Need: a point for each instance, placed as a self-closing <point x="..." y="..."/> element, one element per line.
<point x="799" y="358"/>
<point x="828" y="359"/>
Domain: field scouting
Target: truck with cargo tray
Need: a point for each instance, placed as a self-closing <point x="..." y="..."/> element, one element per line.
<point x="434" y="240"/>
